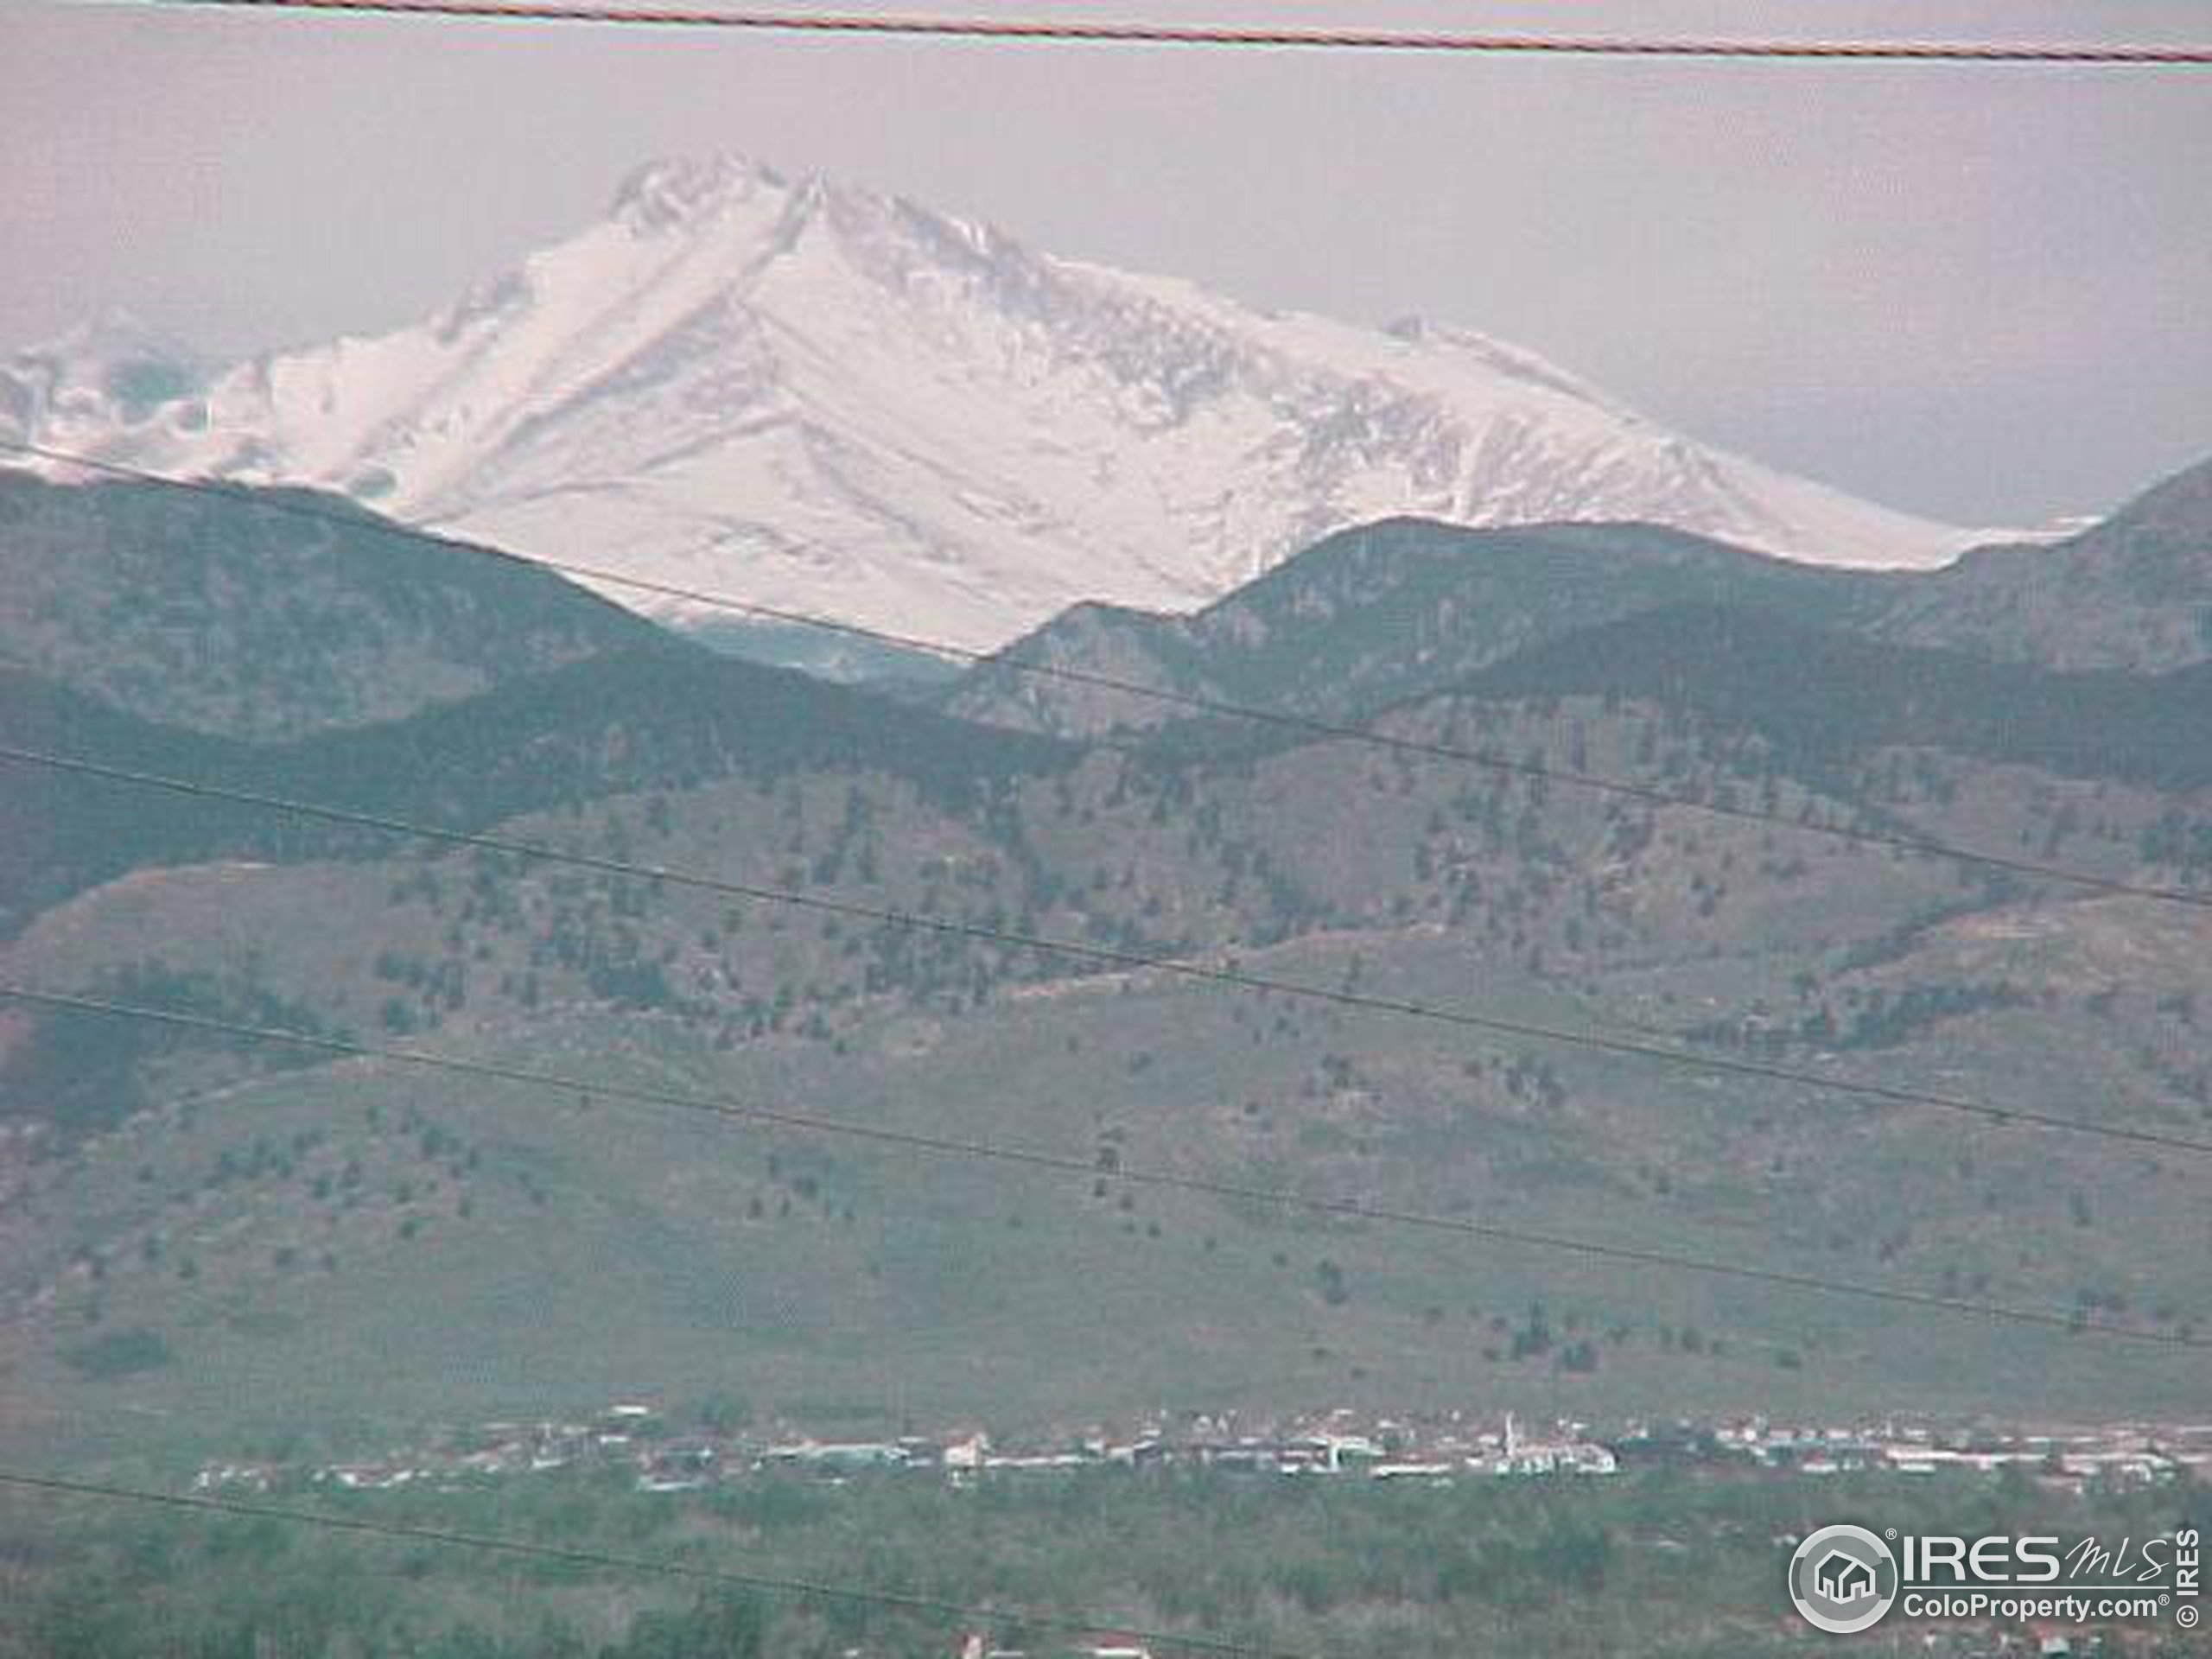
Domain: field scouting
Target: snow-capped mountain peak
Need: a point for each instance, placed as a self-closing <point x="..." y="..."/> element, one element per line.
<point x="831" y="400"/>
<point x="665" y="195"/>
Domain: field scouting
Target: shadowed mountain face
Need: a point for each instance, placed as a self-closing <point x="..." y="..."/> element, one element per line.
<point x="666" y="716"/>
<point x="671" y="717"/>
<point x="368" y="1243"/>
<point x="218" y="614"/>
<point x="1374" y="615"/>
<point x="1409" y="606"/>
<point x="1823" y="697"/>
<point x="2134" y="592"/>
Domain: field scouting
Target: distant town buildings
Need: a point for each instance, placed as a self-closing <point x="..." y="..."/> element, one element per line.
<point x="1334" y="1444"/>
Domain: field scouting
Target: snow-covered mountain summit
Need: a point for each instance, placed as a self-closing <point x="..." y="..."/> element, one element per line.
<point x="836" y="401"/>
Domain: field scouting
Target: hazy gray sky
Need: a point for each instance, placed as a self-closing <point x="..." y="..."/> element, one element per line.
<point x="1981" y="294"/>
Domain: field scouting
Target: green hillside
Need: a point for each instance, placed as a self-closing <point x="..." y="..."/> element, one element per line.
<point x="501" y="1251"/>
<point x="270" y="613"/>
<point x="664" y="715"/>
<point x="1378" y="614"/>
<point x="204" y="1243"/>
<point x="1820" y="697"/>
<point x="2132" y="592"/>
<point x="1389" y="611"/>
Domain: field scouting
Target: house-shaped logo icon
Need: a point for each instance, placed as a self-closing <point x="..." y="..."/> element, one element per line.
<point x="1844" y="1578"/>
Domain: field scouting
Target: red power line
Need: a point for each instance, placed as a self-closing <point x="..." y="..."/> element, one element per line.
<point x="1149" y="34"/>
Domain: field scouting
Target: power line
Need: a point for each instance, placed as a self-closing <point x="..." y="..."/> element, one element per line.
<point x="1310" y="726"/>
<point x="1108" y="956"/>
<point x="727" y="1107"/>
<point x="573" y="1555"/>
<point x="1105" y="32"/>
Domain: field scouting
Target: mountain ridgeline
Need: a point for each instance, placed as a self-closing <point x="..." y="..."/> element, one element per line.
<point x="1372" y="616"/>
<point x="336" y="1223"/>
<point x="270" y="613"/>
<point x="664" y="715"/>
<point x="2132" y="592"/>
<point x="1410" y="606"/>
<point x="1361" y="623"/>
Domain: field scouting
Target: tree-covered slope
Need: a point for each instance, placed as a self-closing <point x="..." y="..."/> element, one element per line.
<point x="1821" y="697"/>
<point x="270" y="613"/>
<point x="1373" y="615"/>
<point x="662" y="716"/>
<point x="2132" y="592"/>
